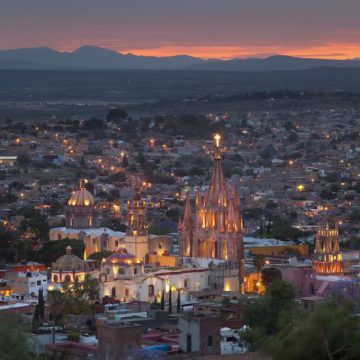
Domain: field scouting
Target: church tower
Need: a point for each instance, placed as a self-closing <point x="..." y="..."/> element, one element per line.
<point x="216" y="234"/>
<point x="136" y="239"/>
<point x="81" y="212"/>
<point x="327" y="256"/>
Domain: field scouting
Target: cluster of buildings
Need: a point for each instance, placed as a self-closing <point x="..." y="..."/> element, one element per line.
<point x="218" y="236"/>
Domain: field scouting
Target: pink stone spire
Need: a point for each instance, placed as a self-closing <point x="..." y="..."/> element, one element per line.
<point x="231" y="217"/>
<point x="187" y="213"/>
<point x="217" y="194"/>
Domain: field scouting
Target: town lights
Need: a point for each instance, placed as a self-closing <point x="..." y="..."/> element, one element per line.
<point x="300" y="188"/>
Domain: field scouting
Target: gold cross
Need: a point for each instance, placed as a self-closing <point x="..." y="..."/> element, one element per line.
<point x="217" y="138"/>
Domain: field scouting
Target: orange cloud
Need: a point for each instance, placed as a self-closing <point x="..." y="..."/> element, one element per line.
<point x="325" y="51"/>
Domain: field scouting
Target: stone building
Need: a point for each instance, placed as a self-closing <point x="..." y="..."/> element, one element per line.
<point x="67" y="268"/>
<point x="216" y="233"/>
<point x="81" y="210"/>
<point x="327" y="256"/>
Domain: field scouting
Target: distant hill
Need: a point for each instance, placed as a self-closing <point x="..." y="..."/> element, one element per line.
<point x="89" y="58"/>
<point x="95" y="58"/>
<point x="274" y="63"/>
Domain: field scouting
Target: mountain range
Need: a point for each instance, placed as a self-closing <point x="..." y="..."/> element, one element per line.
<point x="96" y="58"/>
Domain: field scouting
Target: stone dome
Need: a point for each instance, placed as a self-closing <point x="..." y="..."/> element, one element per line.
<point x="82" y="197"/>
<point x="121" y="257"/>
<point x="68" y="262"/>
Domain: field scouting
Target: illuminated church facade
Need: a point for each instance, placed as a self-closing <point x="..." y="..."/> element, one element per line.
<point x="327" y="256"/>
<point x="215" y="236"/>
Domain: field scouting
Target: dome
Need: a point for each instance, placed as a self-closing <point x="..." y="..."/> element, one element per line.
<point x="82" y="197"/>
<point x="122" y="257"/>
<point x="68" y="262"/>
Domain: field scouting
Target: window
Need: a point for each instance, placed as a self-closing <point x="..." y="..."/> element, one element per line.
<point x="55" y="278"/>
<point x="151" y="290"/>
<point x="116" y="243"/>
<point x="186" y="283"/>
<point x="126" y="292"/>
<point x="210" y="340"/>
<point x="94" y="241"/>
<point x="121" y="271"/>
<point x="113" y="292"/>
<point x="67" y="278"/>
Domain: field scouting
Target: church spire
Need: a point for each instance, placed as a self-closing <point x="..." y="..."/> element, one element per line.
<point x="187" y="213"/>
<point x="217" y="195"/>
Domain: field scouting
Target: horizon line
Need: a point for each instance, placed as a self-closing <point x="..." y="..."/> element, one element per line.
<point x="134" y="52"/>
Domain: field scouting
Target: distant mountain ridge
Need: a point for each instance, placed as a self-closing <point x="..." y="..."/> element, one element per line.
<point x="96" y="58"/>
<point x="274" y="63"/>
<point x="90" y="57"/>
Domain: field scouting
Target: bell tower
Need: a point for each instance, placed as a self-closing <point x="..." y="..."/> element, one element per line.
<point x="136" y="240"/>
<point x="327" y="256"/>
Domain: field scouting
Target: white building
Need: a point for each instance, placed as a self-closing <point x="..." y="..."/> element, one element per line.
<point x="27" y="283"/>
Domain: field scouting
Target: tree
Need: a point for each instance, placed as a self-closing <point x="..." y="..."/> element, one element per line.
<point x="13" y="342"/>
<point x="100" y="255"/>
<point x="74" y="298"/>
<point x="36" y="319"/>
<point x="23" y="160"/>
<point x="94" y="124"/>
<point x="266" y="314"/>
<point x="259" y="262"/>
<point x="52" y="250"/>
<point x="162" y="302"/>
<point x="270" y="274"/>
<point x="116" y="114"/>
<point x="40" y="304"/>
<point x="170" y="301"/>
<point x="331" y="332"/>
<point x="178" y="303"/>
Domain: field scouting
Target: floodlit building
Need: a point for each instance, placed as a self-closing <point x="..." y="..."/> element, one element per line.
<point x="67" y="268"/>
<point x="81" y="209"/>
<point x="215" y="236"/>
<point x="327" y="255"/>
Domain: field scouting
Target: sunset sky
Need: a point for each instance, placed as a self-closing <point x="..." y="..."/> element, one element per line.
<point x="203" y="28"/>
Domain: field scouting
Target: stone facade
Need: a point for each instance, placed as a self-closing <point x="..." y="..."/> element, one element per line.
<point x="216" y="233"/>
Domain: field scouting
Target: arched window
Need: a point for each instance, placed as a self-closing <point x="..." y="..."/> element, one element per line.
<point x="151" y="290"/>
<point x="102" y="278"/>
<point x="67" y="278"/>
<point x="113" y="292"/>
<point x="55" y="278"/>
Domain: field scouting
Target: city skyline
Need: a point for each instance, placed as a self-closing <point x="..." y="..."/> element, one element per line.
<point x="207" y="29"/>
